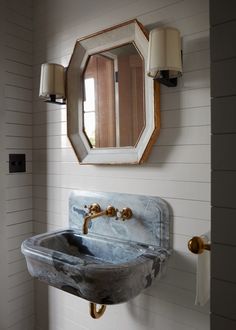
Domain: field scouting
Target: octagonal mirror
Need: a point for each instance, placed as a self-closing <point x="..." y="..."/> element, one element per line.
<point x="112" y="105"/>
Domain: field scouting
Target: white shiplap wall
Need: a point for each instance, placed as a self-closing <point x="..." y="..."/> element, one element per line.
<point x="178" y="169"/>
<point x="16" y="298"/>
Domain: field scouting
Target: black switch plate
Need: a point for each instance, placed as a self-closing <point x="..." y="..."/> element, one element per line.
<point x="16" y="163"/>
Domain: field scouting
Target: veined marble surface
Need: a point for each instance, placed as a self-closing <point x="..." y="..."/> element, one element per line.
<point x="100" y="270"/>
<point x="149" y="223"/>
<point x="115" y="261"/>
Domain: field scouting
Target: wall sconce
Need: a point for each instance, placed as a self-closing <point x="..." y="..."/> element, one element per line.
<point x="164" y="56"/>
<point x="52" y="83"/>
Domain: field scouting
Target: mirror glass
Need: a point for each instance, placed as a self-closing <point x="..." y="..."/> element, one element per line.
<point x="113" y="98"/>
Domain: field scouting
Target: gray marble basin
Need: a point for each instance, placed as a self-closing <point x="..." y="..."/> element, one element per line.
<point x="102" y="270"/>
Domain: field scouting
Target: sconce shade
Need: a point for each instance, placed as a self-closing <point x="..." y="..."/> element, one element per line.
<point x="164" y="53"/>
<point x="52" y="81"/>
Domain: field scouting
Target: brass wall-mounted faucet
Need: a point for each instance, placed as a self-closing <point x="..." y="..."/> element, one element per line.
<point x="95" y="212"/>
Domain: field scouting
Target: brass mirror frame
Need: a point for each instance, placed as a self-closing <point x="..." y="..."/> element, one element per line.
<point x="128" y="32"/>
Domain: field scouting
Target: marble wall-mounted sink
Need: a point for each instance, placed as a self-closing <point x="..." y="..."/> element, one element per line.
<point x="99" y="269"/>
<point x="115" y="261"/>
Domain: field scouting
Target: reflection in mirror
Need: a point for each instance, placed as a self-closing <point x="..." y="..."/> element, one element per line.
<point x="114" y="100"/>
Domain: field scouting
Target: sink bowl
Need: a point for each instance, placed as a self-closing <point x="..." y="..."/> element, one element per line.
<point x="103" y="270"/>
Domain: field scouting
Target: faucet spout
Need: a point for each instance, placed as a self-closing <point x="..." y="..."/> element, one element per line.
<point x="88" y="218"/>
<point x="110" y="212"/>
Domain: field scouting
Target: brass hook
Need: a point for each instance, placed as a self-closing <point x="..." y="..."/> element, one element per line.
<point x="96" y="313"/>
<point x="197" y="245"/>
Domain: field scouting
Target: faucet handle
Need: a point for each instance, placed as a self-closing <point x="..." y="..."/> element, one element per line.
<point x="111" y="211"/>
<point x="125" y="214"/>
<point x="93" y="208"/>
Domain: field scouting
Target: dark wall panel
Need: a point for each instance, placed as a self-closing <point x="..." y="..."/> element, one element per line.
<point x="220" y="323"/>
<point x="223" y="117"/>
<point x="223" y="156"/>
<point x="223" y="113"/>
<point x="223" y="78"/>
<point x="223" y="227"/>
<point x="222" y="267"/>
<point x="223" y="189"/>
<point x="222" y="11"/>
<point x="223" y="43"/>
<point x="223" y="299"/>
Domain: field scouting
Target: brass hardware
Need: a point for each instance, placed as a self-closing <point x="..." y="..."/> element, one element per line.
<point x="96" y="313"/>
<point x="126" y="213"/>
<point x="110" y="212"/>
<point x="94" y="208"/>
<point x="197" y="245"/>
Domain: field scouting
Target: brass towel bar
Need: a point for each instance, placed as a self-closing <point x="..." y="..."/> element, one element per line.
<point x="197" y="245"/>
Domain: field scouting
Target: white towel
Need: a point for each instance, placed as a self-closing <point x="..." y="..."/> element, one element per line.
<point x="203" y="275"/>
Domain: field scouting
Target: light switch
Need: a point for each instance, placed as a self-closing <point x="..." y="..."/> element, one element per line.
<point x="16" y="163"/>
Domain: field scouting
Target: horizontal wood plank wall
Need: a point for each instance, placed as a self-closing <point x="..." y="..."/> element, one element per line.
<point x="223" y="69"/>
<point x="178" y="169"/>
<point x="16" y="137"/>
